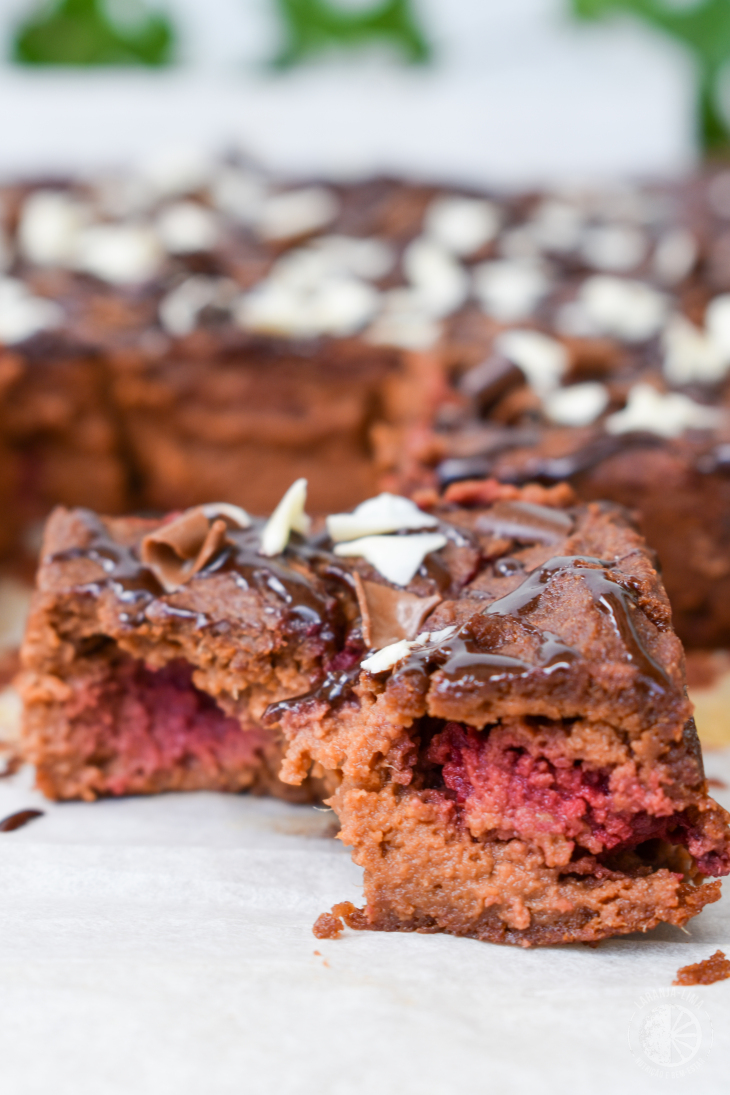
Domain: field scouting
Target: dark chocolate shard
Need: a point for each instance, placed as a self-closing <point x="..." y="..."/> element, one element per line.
<point x="178" y="550"/>
<point x="488" y="382"/>
<point x="389" y="615"/>
<point x="526" y="522"/>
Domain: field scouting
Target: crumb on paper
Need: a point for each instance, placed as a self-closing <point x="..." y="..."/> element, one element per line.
<point x="328" y="926"/>
<point x="715" y="968"/>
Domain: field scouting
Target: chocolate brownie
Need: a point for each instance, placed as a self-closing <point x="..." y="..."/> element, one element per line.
<point x="489" y="688"/>
<point x="178" y="335"/>
<point x="146" y="676"/>
<point x="526" y="769"/>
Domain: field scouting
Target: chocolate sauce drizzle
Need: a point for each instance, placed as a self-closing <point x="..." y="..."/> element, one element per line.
<point x="136" y="586"/>
<point x="463" y="661"/>
<point x="540" y="469"/>
<point x="18" y="820"/>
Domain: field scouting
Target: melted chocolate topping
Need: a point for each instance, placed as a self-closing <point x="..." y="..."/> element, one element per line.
<point x="462" y="658"/>
<point x="541" y="469"/>
<point x="135" y="585"/>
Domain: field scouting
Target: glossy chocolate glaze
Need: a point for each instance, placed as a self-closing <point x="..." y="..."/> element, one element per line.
<point x="463" y="660"/>
<point x="308" y="577"/>
<point x="542" y="469"/>
<point x="308" y="608"/>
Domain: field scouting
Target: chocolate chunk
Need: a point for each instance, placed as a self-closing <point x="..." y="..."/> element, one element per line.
<point x="389" y="615"/>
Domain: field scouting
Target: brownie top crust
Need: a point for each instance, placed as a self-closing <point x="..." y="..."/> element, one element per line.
<point x="516" y="601"/>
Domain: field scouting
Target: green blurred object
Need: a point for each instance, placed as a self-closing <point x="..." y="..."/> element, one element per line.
<point x="313" y="26"/>
<point x="703" y="27"/>
<point x="85" y="32"/>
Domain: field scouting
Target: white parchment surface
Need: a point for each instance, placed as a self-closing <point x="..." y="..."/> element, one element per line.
<point x="164" y="945"/>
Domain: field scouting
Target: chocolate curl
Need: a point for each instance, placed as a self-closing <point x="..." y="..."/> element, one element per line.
<point x="175" y="552"/>
<point x="389" y="615"/>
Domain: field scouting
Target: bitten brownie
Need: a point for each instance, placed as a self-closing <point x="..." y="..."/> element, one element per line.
<point x="490" y="686"/>
<point x="144" y="678"/>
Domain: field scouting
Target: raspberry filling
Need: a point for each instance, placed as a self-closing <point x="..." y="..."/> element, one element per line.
<point x="139" y="721"/>
<point x="511" y="792"/>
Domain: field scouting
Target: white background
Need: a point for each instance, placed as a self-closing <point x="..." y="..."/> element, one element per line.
<point x="518" y="92"/>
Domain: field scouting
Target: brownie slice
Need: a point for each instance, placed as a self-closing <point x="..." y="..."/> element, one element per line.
<point x="152" y="676"/>
<point x="526" y="769"/>
<point x="489" y="688"/>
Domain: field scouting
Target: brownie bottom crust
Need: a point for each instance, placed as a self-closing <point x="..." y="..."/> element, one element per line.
<point x="424" y="873"/>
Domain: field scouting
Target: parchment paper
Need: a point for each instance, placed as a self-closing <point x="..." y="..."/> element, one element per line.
<point x="164" y="945"/>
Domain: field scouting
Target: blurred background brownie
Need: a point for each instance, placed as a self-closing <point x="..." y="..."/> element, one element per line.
<point x="169" y="343"/>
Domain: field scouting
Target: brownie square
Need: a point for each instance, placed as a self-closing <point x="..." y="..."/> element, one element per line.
<point x="488" y="687"/>
<point x="526" y="770"/>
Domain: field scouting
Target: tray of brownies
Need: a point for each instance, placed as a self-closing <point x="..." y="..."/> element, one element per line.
<point x="398" y="513"/>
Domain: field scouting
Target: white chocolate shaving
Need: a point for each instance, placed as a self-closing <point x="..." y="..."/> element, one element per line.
<point x="121" y="254"/>
<point x="390" y="655"/>
<point x="461" y="225"/>
<point x="667" y="415"/>
<point x="336" y="306"/>
<point x="509" y="290"/>
<point x="180" y="309"/>
<point x="385" y="513"/>
<point x="439" y="281"/>
<point x="397" y="558"/>
<point x="628" y="310"/>
<point x="297" y="213"/>
<point x="675" y="255"/>
<point x="227" y="509"/>
<point x="187" y="227"/>
<point x="367" y="258"/>
<point x="50" y="223"/>
<point x="717" y="322"/>
<point x="543" y="360"/>
<point x="22" y="314"/>
<point x="576" y="405"/>
<point x="557" y="225"/>
<point x="176" y="169"/>
<point x="691" y="356"/>
<point x="288" y="517"/>
<point x="403" y="322"/>
<point x="613" y="247"/>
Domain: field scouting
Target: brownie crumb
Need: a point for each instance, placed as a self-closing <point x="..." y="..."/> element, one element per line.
<point x="720" y="783"/>
<point x="715" y="968"/>
<point x="17" y="821"/>
<point x="328" y="926"/>
<point x="353" y="917"/>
